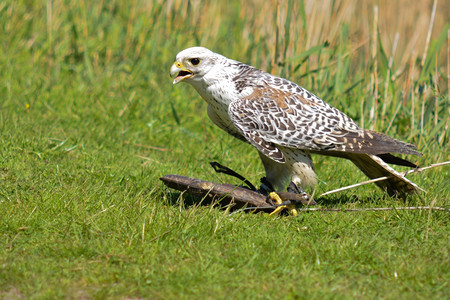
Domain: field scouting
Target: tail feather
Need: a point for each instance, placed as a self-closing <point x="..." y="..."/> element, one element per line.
<point x="391" y="159"/>
<point x="374" y="167"/>
<point x="372" y="142"/>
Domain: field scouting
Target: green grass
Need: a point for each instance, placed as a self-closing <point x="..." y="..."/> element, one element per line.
<point x="89" y="121"/>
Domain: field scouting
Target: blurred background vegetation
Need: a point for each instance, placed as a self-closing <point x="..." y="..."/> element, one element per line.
<point x="385" y="63"/>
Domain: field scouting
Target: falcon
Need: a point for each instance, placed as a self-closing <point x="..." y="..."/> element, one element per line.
<point x="286" y="123"/>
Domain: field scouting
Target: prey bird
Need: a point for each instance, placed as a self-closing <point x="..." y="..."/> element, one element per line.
<point x="286" y="123"/>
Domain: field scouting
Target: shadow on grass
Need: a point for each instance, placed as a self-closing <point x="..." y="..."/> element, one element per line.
<point x="341" y="199"/>
<point x="186" y="200"/>
<point x="176" y="198"/>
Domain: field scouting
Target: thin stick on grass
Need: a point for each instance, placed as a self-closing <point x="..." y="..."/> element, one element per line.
<point x="383" y="178"/>
<point x="374" y="208"/>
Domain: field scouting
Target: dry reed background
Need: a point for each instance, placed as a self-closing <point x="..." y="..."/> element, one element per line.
<point x="388" y="39"/>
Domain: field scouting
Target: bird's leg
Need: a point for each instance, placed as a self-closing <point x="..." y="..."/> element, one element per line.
<point x="295" y="188"/>
<point x="266" y="187"/>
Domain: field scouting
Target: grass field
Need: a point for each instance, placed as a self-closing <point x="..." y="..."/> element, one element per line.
<point x="89" y="121"/>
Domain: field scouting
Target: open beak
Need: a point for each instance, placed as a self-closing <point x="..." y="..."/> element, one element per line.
<point x="180" y="71"/>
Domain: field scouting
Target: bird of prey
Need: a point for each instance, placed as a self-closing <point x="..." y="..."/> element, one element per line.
<point x="286" y="123"/>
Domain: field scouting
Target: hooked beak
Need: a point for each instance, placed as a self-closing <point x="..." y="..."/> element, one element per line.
<point x="180" y="71"/>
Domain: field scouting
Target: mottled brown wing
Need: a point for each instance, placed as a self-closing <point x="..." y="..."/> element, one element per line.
<point x="270" y="117"/>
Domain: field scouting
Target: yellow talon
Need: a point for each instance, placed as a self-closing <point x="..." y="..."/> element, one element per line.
<point x="276" y="198"/>
<point x="292" y="210"/>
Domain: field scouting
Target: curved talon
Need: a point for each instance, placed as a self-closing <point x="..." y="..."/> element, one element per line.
<point x="276" y="198"/>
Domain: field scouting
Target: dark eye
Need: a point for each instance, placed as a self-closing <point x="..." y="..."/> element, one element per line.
<point x="194" y="61"/>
